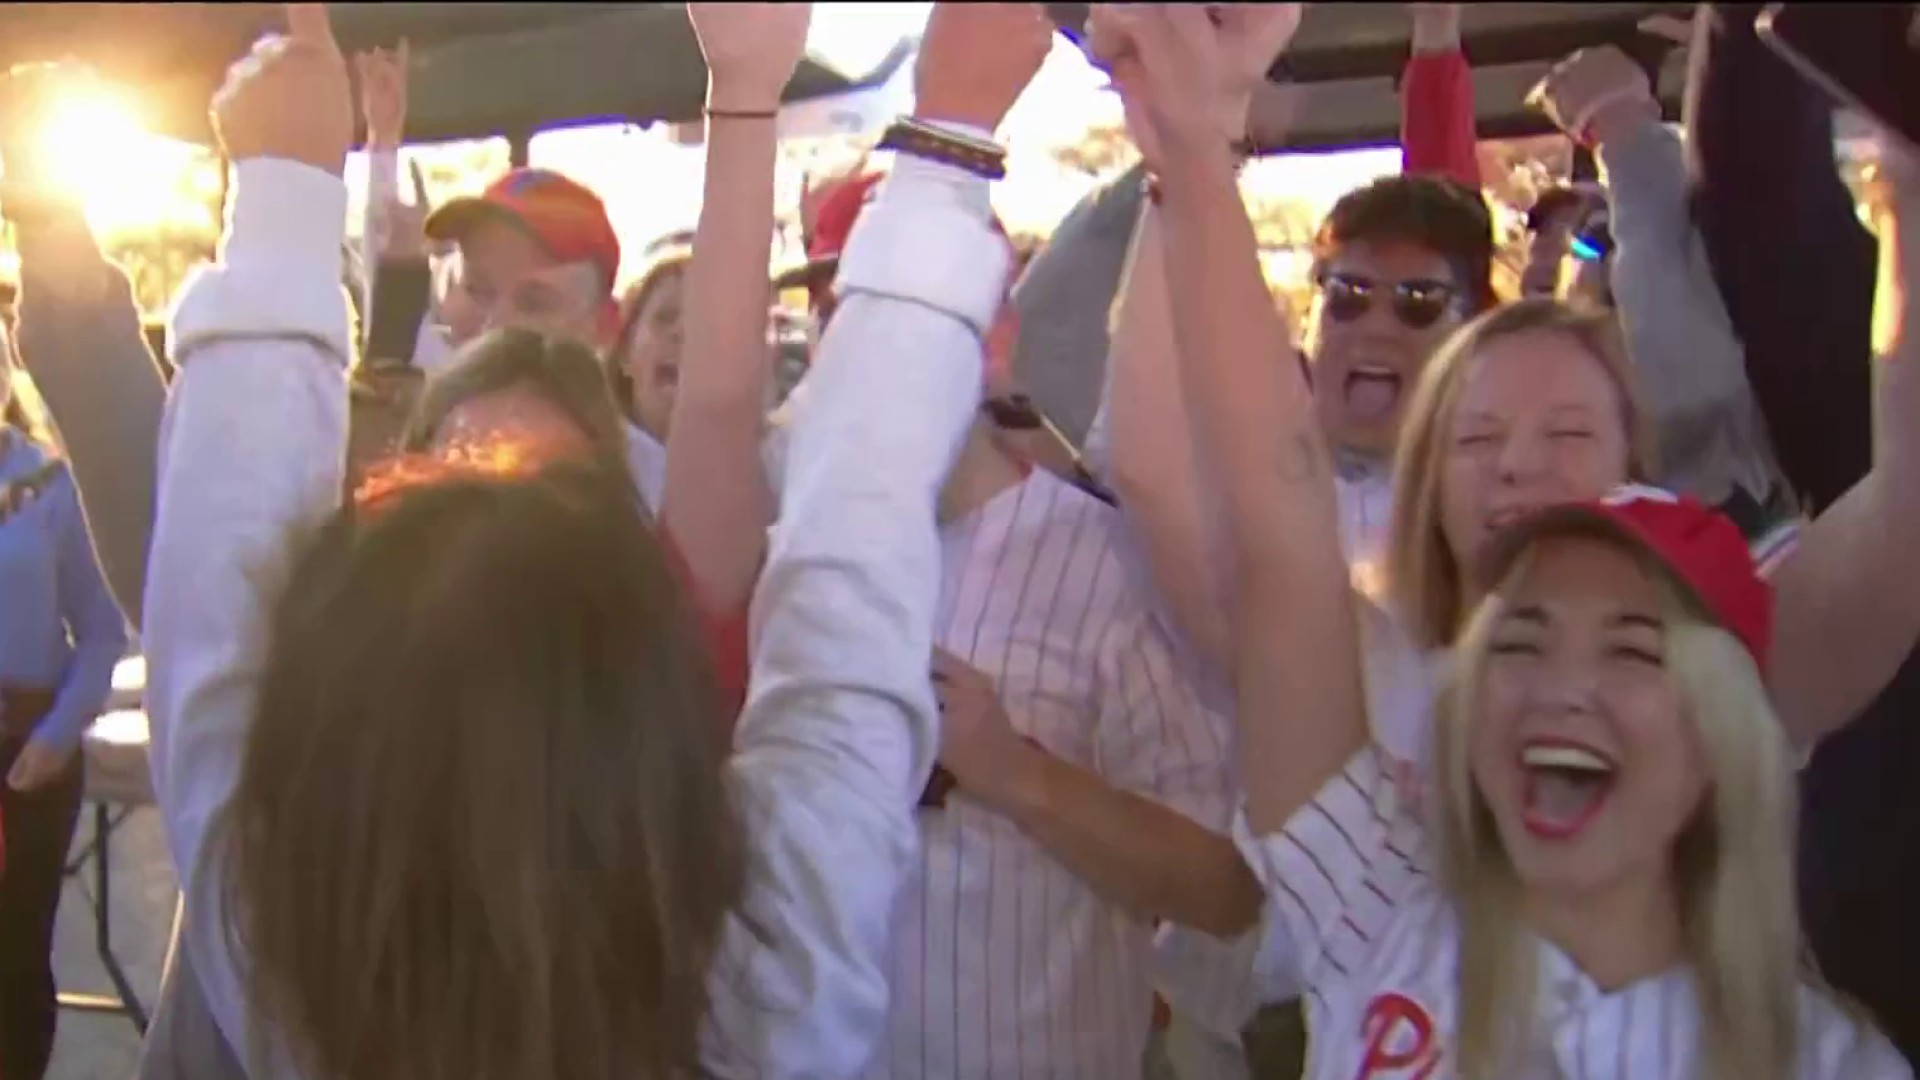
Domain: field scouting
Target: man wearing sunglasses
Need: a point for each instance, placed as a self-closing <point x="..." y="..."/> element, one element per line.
<point x="1398" y="264"/>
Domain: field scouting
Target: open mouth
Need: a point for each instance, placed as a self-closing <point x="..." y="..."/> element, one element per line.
<point x="1372" y="393"/>
<point x="1564" y="788"/>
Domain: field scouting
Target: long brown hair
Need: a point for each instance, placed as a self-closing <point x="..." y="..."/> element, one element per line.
<point x="1423" y="576"/>
<point x="481" y="829"/>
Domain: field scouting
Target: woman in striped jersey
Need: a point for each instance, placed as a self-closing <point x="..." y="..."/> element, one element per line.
<point x="1605" y="888"/>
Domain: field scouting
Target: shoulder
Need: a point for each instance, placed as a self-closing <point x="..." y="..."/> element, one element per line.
<point x="1838" y="1040"/>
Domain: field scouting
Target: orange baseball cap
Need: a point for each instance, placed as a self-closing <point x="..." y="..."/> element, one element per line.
<point x="565" y="218"/>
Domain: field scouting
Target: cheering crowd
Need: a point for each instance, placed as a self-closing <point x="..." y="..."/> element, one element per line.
<point x="1462" y="685"/>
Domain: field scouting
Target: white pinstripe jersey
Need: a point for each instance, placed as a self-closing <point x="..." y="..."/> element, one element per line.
<point x="1354" y="916"/>
<point x="1005" y="964"/>
<point x="1214" y="982"/>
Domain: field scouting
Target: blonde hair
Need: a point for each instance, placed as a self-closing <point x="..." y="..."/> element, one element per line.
<point x="1732" y="863"/>
<point x="1424" y="578"/>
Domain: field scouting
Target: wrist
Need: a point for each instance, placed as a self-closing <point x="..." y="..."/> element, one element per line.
<point x="741" y="101"/>
<point x="1620" y="120"/>
<point x="1019" y="785"/>
<point x="1436" y="31"/>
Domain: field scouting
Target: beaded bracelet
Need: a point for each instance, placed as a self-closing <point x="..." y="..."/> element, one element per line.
<point x="923" y="140"/>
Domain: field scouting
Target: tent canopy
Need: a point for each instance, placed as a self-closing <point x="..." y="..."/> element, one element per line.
<point x="1348" y="58"/>
<point x="478" y="69"/>
<point x="511" y="68"/>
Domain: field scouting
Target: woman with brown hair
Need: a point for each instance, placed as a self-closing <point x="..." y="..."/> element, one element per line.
<point x="438" y="767"/>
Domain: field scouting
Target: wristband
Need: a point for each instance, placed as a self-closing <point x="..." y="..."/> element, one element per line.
<point x="922" y="140"/>
<point x="741" y="114"/>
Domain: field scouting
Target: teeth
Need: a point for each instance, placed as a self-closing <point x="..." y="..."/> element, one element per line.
<point x="1564" y="757"/>
<point x="1371" y="372"/>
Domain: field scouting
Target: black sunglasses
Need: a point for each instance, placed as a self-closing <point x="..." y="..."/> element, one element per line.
<point x="1417" y="304"/>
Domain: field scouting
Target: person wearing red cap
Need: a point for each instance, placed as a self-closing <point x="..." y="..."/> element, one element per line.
<point x="535" y="251"/>
<point x="1604" y="884"/>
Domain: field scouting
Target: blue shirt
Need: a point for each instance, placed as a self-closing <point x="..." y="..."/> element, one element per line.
<point x="59" y="628"/>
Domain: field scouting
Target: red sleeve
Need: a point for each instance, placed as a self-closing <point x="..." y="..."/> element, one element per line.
<point x="1436" y="118"/>
<point x="723" y="633"/>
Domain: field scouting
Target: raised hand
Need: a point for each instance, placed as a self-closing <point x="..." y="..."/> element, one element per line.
<point x="290" y="97"/>
<point x="1594" y="93"/>
<point x="1252" y="37"/>
<point x="1166" y="62"/>
<point x="383" y="95"/>
<point x="751" y="51"/>
<point x="976" y="59"/>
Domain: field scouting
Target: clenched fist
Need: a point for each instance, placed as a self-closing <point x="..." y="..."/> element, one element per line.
<point x="289" y="98"/>
<point x="1596" y="93"/>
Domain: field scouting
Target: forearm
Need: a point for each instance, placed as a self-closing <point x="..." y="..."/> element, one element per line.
<point x="1149" y="859"/>
<point x="1152" y="451"/>
<point x="1689" y="362"/>
<point x="88" y="683"/>
<point x="81" y="339"/>
<point x="1848" y="604"/>
<point x="1301" y="714"/>
<point x="717" y="500"/>
<point x="1437" y="121"/>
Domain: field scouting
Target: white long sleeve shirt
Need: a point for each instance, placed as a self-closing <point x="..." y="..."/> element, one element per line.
<point x="839" y="732"/>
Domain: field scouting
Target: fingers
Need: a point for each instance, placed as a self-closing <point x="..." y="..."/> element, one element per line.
<point x="21" y="776"/>
<point x="310" y="23"/>
<point x="419" y="183"/>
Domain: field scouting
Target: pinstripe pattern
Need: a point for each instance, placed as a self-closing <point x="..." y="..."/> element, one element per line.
<point x="1005" y="964"/>
<point x="1355" y="916"/>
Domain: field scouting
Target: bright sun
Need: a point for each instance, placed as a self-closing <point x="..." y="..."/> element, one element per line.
<point x="95" y="146"/>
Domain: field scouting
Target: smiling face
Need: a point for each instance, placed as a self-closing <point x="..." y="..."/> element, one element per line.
<point x="506" y="279"/>
<point x="1582" y="745"/>
<point x="1381" y="310"/>
<point x="1538" y="422"/>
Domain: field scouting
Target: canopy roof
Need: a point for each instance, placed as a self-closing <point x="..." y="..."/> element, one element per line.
<point x="1349" y="56"/>
<point x="478" y="68"/>
<point x="496" y="68"/>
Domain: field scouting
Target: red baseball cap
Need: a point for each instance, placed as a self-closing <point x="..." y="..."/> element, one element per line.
<point x="1701" y="548"/>
<point x="840" y="204"/>
<point x="565" y="218"/>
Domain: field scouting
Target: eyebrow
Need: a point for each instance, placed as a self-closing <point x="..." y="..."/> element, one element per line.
<point x="1635" y="620"/>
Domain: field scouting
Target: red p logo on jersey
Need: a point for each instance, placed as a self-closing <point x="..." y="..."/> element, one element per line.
<point x="1400" y="1042"/>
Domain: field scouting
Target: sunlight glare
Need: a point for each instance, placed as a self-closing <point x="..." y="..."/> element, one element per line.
<point x="94" y="145"/>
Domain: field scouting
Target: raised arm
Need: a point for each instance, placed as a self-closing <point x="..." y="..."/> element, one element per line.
<point x="1437" y="121"/>
<point x="1690" y="365"/>
<point x="1144" y="431"/>
<point x="252" y="453"/>
<point x="840" y="730"/>
<point x="81" y="340"/>
<point x="717" y="503"/>
<point x="1149" y="440"/>
<point x="1848" y="599"/>
<point x="1301" y="714"/>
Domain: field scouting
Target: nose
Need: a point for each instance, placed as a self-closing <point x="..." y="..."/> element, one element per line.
<point x="1567" y="685"/>
<point x="1523" y="456"/>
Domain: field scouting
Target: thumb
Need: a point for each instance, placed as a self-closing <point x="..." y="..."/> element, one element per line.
<point x="310" y="23"/>
<point x="18" y="776"/>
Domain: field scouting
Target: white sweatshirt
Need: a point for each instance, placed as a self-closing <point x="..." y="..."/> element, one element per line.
<point x="840" y="729"/>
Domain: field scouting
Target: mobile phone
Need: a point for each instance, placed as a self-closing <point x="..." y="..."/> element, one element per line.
<point x="1867" y="56"/>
